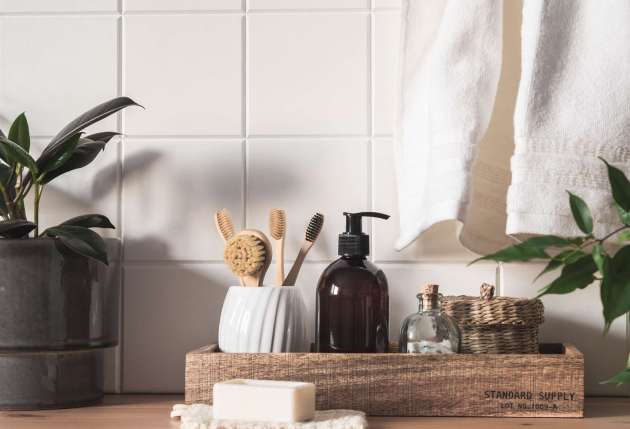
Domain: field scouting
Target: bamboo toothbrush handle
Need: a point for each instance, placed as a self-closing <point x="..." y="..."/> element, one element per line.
<point x="295" y="269"/>
<point x="279" y="261"/>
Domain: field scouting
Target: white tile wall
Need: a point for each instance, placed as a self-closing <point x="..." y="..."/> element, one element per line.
<point x="249" y="105"/>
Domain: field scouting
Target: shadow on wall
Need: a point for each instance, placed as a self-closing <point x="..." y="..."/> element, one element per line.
<point x="169" y="309"/>
<point x="601" y="358"/>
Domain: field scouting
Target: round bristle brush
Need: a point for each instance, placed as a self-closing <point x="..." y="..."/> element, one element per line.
<point x="312" y="232"/>
<point x="278" y="228"/>
<point x="248" y="255"/>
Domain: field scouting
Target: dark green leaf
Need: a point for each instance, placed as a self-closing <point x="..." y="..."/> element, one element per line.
<point x="620" y="378"/>
<point x="620" y="186"/>
<point x="105" y="136"/>
<point x="624" y="216"/>
<point x="581" y="213"/>
<point x="624" y="236"/>
<point x="19" y="132"/>
<point x="85" y="152"/>
<point x="86" y="119"/>
<point x="615" y="289"/>
<point x="17" y="154"/>
<point x="576" y="275"/>
<point x="17" y="228"/>
<point x="57" y="159"/>
<point x="598" y="256"/>
<point x="545" y="241"/>
<point x="81" y="240"/>
<point x="90" y="221"/>
<point x="532" y="248"/>
<point x="564" y="257"/>
<point x="553" y="264"/>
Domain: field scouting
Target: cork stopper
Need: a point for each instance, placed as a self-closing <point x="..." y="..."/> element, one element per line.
<point x="430" y="297"/>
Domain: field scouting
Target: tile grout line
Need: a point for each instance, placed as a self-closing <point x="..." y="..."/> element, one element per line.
<point x="219" y="137"/>
<point x="121" y="152"/>
<point x="245" y="111"/>
<point x="370" y="124"/>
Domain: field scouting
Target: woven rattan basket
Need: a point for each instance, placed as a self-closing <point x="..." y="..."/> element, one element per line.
<point x="496" y="325"/>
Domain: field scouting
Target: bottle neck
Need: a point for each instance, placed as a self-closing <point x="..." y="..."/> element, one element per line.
<point x="429" y="302"/>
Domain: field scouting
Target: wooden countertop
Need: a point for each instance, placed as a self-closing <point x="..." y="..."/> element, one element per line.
<point x="152" y="412"/>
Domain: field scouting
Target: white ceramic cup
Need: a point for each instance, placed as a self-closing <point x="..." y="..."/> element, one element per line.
<point x="263" y="320"/>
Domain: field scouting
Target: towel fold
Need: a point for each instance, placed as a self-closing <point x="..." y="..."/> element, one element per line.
<point x="573" y="104"/>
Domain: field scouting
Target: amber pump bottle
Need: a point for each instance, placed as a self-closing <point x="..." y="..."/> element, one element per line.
<point x="352" y="299"/>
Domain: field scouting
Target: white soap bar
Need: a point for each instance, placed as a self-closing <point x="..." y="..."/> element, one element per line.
<point x="264" y="400"/>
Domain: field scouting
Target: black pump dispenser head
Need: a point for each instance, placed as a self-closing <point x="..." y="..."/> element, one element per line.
<point x="353" y="242"/>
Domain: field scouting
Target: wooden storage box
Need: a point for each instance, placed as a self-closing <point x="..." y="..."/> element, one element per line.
<point x="550" y="384"/>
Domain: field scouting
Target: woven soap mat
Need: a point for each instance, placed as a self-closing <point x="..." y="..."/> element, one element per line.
<point x="199" y="416"/>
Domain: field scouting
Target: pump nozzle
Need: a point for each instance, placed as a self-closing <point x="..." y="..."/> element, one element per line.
<point x="353" y="242"/>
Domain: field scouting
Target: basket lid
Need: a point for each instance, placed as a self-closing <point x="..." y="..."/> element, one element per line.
<point x="487" y="309"/>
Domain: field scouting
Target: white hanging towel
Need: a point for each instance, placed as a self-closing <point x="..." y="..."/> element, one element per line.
<point x="573" y="105"/>
<point x="450" y="66"/>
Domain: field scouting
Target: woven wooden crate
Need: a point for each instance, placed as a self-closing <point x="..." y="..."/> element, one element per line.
<point x="550" y="384"/>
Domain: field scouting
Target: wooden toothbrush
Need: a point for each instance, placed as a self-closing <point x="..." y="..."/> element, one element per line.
<point x="278" y="228"/>
<point x="312" y="232"/>
<point x="225" y="226"/>
<point x="248" y="255"/>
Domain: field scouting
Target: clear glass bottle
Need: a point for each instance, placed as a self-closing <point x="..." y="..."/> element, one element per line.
<point x="429" y="330"/>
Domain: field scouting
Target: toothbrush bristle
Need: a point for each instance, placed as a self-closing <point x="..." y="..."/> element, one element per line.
<point x="224" y="221"/>
<point x="278" y="224"/>
<point x="314" y="227"/>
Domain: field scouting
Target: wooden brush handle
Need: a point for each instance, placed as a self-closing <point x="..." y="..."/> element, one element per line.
<point x="295" y="269"/>
<point x="279" y="261"/>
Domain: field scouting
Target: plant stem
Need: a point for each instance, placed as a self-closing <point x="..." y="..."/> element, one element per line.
<point x="38" y="195"/>
<point x="618" y="230"/>
<point x="7" y="202"/>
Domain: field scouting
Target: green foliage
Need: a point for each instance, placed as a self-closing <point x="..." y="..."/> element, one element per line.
<point x="82" y="240"/>
<point x="585" y="260"/>
<point x="622" y="377"/>
<point x="16" y="228"/>
<point x="21" y="174"/>
<point x="574" y="275"/>
<point x="532" y="248"/>
<point x="581" y="213"/>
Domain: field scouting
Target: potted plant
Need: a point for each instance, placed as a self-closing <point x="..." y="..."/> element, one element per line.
<point x="585" y="261"/>
<point x="54" y="291"/>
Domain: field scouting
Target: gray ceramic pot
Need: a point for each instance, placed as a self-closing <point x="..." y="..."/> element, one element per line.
<point x="38" y="380"/>
<point x="58" y="312"/>
<point x="54" y="299"/>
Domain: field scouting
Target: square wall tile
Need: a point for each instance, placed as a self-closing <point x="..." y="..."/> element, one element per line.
<point x="111" y="370"/>
<point x="56" y="67"/>
<point x="169" y="310"/>
<point x="308" y="4"/>
<point x="386" y="49"/>
<point x="439" y="243"/>
<point x="308" y="74"/>
<point x="171" y="189"/>
<point x="94" y="188"/>
<point x="575" y="318"/>
<point x="386" y="4"/>
<point x="187" y="71"/>
<point x="9" y="6"/>
<point x="304" y="177"/>
<point x="186" y="5"/>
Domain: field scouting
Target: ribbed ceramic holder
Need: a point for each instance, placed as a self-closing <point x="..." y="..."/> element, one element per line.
<point x="263" y="320"/>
